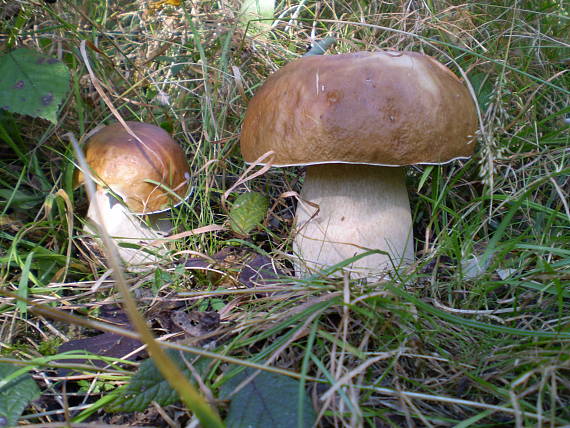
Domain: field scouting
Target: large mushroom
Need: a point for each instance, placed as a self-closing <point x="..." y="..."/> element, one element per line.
<point x="354" y="120"/>
<point x="138" y="179"/>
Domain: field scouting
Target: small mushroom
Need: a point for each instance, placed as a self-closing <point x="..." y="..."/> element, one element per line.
<point x="354" y="120"/>
<point x="137" y="181"/>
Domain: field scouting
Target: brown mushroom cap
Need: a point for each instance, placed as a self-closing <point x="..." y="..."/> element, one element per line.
<point x="124" y="164"/>
<point x="385" y="108"/>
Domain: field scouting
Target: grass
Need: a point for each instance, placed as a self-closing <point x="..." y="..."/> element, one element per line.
<point x="477" y="334"/>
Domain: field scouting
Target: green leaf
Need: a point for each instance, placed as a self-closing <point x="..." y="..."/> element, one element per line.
<point x="148" y="385"/>
<point x="268" y="400"/>
<point x="32" y="83"/>
<point x="483" y="87"/>
<point x="15" y="394"/>
<point x="248" y="211"/>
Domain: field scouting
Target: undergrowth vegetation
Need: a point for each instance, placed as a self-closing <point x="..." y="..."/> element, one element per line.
<point x="475" y="333"/>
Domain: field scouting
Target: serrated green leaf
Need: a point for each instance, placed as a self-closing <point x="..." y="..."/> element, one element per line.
<point x="148" y="385"/>
<point x="269" y="400"/>
<point x="248" y="211"/>
<point x="32" y="83"/>
<point x="15" y="394"/>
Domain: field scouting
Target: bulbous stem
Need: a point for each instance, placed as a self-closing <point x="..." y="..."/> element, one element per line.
<point x="348" y="209"/>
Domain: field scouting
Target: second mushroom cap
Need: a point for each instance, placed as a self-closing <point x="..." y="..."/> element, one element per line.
<point x="143" y="173"/>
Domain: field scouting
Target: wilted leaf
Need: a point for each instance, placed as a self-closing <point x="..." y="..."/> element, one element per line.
<point x="254" y="269"/>
<point x="15" y="395"/>
<point x="505" y="273"/>
<point x="248" y="211"/>
<point x="269" y="400"/>
<point x="259" y="271"/>
<point x="197" y="324"/>
<point x="105" y="344"/>
<point x="474" y="266"/>
<point x="32" y="83"/>
<point x="155" y="5"/>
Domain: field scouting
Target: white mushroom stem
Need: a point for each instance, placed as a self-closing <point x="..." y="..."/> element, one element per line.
<point x="348" y="209"/>
<point x="125" y="227"/>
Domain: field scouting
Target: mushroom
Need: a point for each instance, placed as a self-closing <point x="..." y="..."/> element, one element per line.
<point x="354" y="120"/>
<point x="136" y="179"/>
